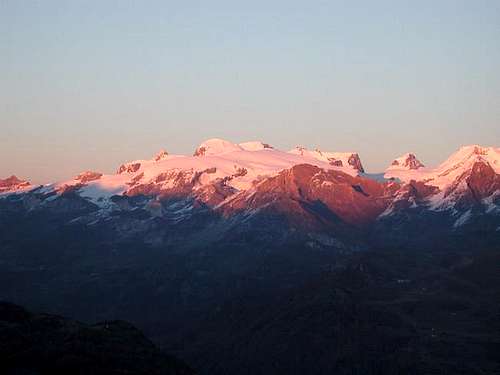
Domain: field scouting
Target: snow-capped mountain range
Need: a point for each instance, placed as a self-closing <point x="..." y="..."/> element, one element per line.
<point x="240" y="165"/>
<point x="248" y="181"/>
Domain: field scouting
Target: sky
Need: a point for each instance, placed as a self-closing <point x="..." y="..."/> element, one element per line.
<point x="91" y="84"/>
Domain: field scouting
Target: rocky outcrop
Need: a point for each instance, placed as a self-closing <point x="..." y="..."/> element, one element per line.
<point x="407" y="161"/>
<point x="129" y="168"/>
<point x="12" y="183"/>
<point x="355" y="162"/>
<point x="161" y="155"/>
<point x="88" y="176"/>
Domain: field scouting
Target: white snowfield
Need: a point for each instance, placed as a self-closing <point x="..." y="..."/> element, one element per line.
<point x="447" y="172"/>
<point x="246" y="163"/>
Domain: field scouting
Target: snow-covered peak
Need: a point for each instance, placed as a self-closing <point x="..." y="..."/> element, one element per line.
<point x="445" y="174"/>
<point x="216" y="146"/>
<point x="338" y="159"/>
<point x="406" y="161"/>
<point x="255" y="146"/>
<point x="466" y="156"/>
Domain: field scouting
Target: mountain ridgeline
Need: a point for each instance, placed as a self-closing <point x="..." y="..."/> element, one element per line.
<point x="244" y="259"/>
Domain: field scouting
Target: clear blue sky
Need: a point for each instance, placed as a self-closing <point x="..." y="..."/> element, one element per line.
<point x="90" y="84"/>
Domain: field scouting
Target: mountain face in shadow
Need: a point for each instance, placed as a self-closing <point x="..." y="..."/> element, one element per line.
<point x="48" y="344"/>
<point x="381" y="312"/>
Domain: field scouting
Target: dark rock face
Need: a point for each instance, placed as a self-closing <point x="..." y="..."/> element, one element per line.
<point x="335" y="162"/>
<point x="128" y="168"/>
<point x="48" y="344"/>
<point x="355" y="162"/>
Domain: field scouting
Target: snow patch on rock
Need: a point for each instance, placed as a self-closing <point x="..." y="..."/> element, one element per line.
<point x="463" y="219"/>
<point x="405" y="162"/>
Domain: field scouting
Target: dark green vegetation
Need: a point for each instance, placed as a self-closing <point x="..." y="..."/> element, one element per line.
<point x="48" y="344"/>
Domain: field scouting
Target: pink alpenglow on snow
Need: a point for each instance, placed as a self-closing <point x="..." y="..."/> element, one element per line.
<point x="448" y="171"/>
<point x="14" y="184"/>
<point x="338" y="159"/>
<point x="240" y="166"/>
<point x="407" y="161"/>
<point x="219" y="168"/>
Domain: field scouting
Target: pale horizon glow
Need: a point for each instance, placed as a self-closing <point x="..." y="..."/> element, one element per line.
<point x="90" y="85"/>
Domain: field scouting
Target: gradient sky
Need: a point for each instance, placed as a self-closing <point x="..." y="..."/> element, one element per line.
<point x="90" y="84"/>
